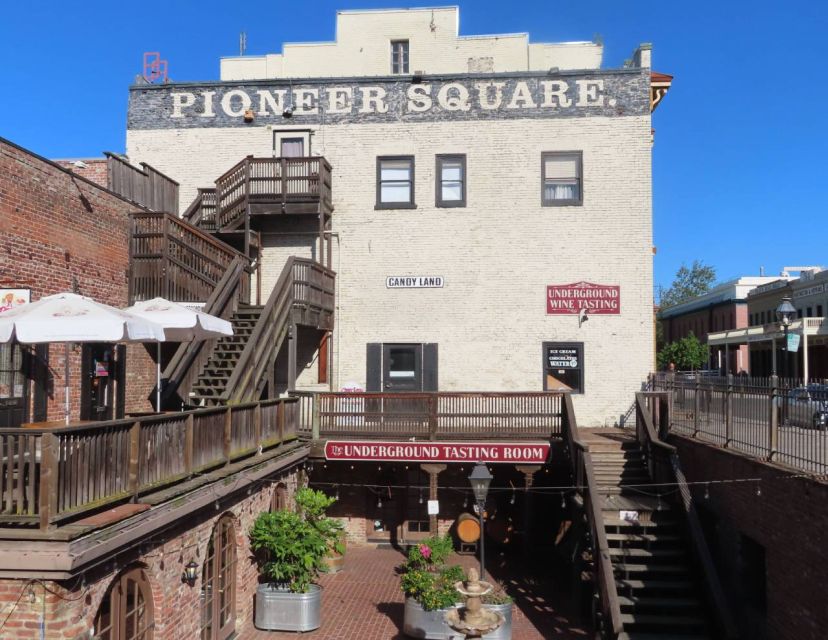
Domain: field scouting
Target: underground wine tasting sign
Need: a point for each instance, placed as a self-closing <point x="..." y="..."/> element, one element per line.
<point x="562" y="299"/>
<point x="523" y="452"/>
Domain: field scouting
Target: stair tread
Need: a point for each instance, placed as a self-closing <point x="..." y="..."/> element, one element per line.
<point x="654" y="584"/>
<point x="656" y="568"/>
<point x="617" y="522"/>
<point x="656" y="601"/>
<point x="651" y="618"/>
<point x="638" y="635"/>
<point x="633" y="552"/>
<point x="643" y="537"/>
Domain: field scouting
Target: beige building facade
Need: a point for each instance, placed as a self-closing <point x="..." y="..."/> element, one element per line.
<point x="492" y="223"/>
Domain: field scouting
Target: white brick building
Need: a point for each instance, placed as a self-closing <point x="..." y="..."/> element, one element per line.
<point x="543" y="160"/>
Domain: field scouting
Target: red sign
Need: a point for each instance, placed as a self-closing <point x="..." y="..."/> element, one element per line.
<point x="523" y="452"/>
<point x="596" y="299"/>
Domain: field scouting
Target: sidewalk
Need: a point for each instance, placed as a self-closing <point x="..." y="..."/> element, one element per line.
<point x="364" y="602"/>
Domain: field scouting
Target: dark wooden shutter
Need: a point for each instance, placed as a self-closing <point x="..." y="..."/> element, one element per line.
<point x="430" y="366"/>
<point x="120" y="365"/>
<point x="373" y="373"/>
<point x="41" y="377"/>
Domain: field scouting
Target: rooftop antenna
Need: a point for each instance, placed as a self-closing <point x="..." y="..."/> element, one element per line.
<point x="242" y="42"/>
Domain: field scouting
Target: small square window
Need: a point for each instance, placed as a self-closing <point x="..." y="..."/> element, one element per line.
<point x="561" y="178"/>
<point x="395" y="182"/>
<point x="451" y="181"/>
<point x="819" y="311"/>
<point x="399" y="56"/>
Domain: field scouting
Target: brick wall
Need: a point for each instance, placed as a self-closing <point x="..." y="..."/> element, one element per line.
<point x="95" y="170"/>
<point x="789" y="520"/>
<point x="70" y="611"/>
<point x="58" y="233"/>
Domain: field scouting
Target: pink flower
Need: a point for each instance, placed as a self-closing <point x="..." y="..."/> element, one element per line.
<point x="425" y="551"/>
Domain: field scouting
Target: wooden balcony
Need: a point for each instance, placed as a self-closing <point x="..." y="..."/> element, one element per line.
<point x="171" y="258"/>
<point x="268" y="186"/>
<point x="52" y="476"/>
<point x="432" y="416"/>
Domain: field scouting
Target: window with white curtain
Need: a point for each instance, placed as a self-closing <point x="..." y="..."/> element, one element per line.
<point x="451" y="181"/>
<point x="395" y="182"/>
<point x="562" y="178"/>
<point x="399" y="56"/>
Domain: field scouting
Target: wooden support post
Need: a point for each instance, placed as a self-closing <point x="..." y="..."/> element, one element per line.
<point x="134" y="458"/>
<point x="280" y="419"/>
<point x="228" y="433"/>
<point x="292" y="357"/>
<point x="432" y="416"/>
<point x="729" y="410"/>
<point x="257" y="426"/>
<point x="528" y="471"/>
<point x="188" y="444"/>
<point x="48" y="497"/>
<point x="316" y="417"/>
<point x="773" y="422"/>
<point x="433" y="470"/>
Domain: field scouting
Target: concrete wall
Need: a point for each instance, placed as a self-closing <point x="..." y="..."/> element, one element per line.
<point x="363" y="48"/>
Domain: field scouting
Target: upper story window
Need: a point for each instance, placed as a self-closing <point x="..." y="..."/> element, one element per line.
<point x="395" y="182"/>
<point x="399" y="56"/>
<point x="451" y="181"/>
<point x="562" y="178"/>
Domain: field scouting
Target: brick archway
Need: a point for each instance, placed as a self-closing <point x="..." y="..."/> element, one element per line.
<point x="126" y="611"/>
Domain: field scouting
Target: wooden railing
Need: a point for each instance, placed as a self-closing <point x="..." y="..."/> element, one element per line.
<point x="190" y="357"/>
<point x="652" y="424"/>
<point x="50" y="476"/>
<point x="304" y="291"/>
<point x="146" y="186"/>
<point x="441" y="415"/>
<point x="608" y="603"/>
<point x="278" y="181"/>
<point x="202" y="212"/>
<point x="173" y="259"/>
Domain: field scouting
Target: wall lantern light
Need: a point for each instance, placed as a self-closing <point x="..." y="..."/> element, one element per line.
<point x="190" y="573"/>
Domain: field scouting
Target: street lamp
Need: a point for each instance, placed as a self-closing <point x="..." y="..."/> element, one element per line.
<point x="784" y="314"/>
<point x="480" y="479"/>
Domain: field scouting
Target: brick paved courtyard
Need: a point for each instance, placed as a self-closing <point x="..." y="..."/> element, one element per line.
<point x="364" y="602"/>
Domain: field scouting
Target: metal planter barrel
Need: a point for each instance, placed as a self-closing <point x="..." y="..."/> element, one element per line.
<point x="428" y="625"/>
<point x="504" y="631"/>
<point x="278" y="609"/>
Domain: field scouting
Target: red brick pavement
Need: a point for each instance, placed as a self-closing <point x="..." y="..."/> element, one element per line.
<point x="364" y="602"/>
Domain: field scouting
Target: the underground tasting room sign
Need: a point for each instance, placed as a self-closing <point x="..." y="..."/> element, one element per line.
<point x="523" y="452"/>
<point x="596" y="299"/>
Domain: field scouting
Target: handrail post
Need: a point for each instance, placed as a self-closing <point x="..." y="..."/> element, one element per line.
<point x="48" y="497"/>
<point x="773" y="422"/>
<point x="188" y="444"/>
<point x="280" y="420"/>
<point x="134" y="458"/>
<point x="432" y="416"/>
<point x="257" y="426"/>
<point x="729" y="410"/>
<point x="228" y="433"/>
<point x="315" y="416"/>
<point x="696" y="404"/>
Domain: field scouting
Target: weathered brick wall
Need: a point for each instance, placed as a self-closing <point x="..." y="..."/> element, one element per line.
<point x="71" y="612"/>
<point x="59" y="233"/>
<point x="96" y="169"/>
<point x="788" y="519"/>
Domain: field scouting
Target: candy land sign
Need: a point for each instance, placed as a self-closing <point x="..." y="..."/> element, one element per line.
<point x="596" y="299"/>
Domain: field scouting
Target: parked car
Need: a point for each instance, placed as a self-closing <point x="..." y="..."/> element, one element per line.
<point x="805" y="407"/>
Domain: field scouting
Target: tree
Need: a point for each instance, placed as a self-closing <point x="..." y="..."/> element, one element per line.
<point x="687" y="354"/>
<point x="688" y="283"/>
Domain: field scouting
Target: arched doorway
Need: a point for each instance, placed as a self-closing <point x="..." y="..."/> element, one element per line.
<point x="126" y="612"/>
<point x="218" y="583"/>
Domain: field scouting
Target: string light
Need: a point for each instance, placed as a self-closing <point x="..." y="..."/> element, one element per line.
<point x="758" y="490"/>
<point x="707" y="492"/>
<point x="512" y="499"/>
<point x="421" y="497"/>
<point x="563" y="500"/>
<point x="379" y="502"/>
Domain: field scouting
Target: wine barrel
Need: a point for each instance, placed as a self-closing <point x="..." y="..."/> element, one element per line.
<point x="468" y="528"/>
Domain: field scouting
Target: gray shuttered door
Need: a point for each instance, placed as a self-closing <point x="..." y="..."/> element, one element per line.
<point x="430" y="366"/>
<point x="373" y="373"/>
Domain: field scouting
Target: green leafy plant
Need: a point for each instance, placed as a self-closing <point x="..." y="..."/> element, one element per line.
<point x="426" y="578"/>
<point x="687" y="354"/>
<point x="291" y="546"/>
<point x="431" y="552"/>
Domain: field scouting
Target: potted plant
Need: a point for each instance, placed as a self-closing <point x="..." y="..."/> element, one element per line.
<point x="501" y="602"/>
<point x="429" y="588"/>
<point x="313" y="505"/>
<point x="290" y="548"/>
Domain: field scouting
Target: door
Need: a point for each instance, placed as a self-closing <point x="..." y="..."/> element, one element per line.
<point x="402" y="368"/>
<point x="102" y="382"/>
<point x="218" y="584"/>
<point x="126" y="611"/>
<point x="14" y="386"/>
<point x="292" y="148"/>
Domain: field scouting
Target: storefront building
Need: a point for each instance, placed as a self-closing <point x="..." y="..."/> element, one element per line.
<point x="490" y="216"/>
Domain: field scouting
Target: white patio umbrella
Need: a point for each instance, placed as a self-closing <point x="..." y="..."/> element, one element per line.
<point x="68" y="317"/>
<point x="180" y="324"/>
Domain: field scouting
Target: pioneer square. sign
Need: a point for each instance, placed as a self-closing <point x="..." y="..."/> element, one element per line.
<point x="596" y="299"/>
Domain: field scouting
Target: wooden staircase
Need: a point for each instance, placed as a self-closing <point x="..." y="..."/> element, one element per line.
<point x="657" y="589"/>
<point x="212" y="382"/>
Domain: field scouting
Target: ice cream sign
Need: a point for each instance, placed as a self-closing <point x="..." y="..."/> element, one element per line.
<point x="596" y="299"/>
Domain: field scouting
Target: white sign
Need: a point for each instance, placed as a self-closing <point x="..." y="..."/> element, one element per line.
<point x="414" y="282"/>
<point x="793" y="342"/>
<point x="10" y="298"/>
<point x="433" y="507"/>
<point x="628" y="516"/>
<point x="810" y="291"/>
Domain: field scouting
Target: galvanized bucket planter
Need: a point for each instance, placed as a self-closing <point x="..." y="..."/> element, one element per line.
<point x="277" y="609"/>
<point x="504" y="631"/>
<point x="429" y="625"/>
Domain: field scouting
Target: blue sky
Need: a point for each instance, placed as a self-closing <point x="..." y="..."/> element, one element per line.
<point x="739" y="163"/>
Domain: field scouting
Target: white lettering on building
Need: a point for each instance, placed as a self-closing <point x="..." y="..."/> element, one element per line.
<point x="453" y="97"/>
<point x="373" y="100"/>
<point x="306" y="100"/>
<point x="340" y="99"/>
<point x="588" y="93"/>
<point x="419" y="97"/>
<point x="521" y="97"/>
<point x="207" y="102"/>
<point x="483" y="94"/>
<point x="273" y="100"/>
<point x="554" y="94"/>
<point x="227" y="102"/>
<point x="181" y="101"/>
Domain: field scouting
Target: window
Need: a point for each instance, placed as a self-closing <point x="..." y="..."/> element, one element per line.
<point x="395" y="182"/>
<point x="819" y="311"/>
<point x="292" y="143"/>
<point x="561" y="171"/>
<point x="126" y="609"/>
<point x="799" y="313"/>
<point x="451" y="181"/>
<point x="399" y="56"/>
<point x="809" y="312"/>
